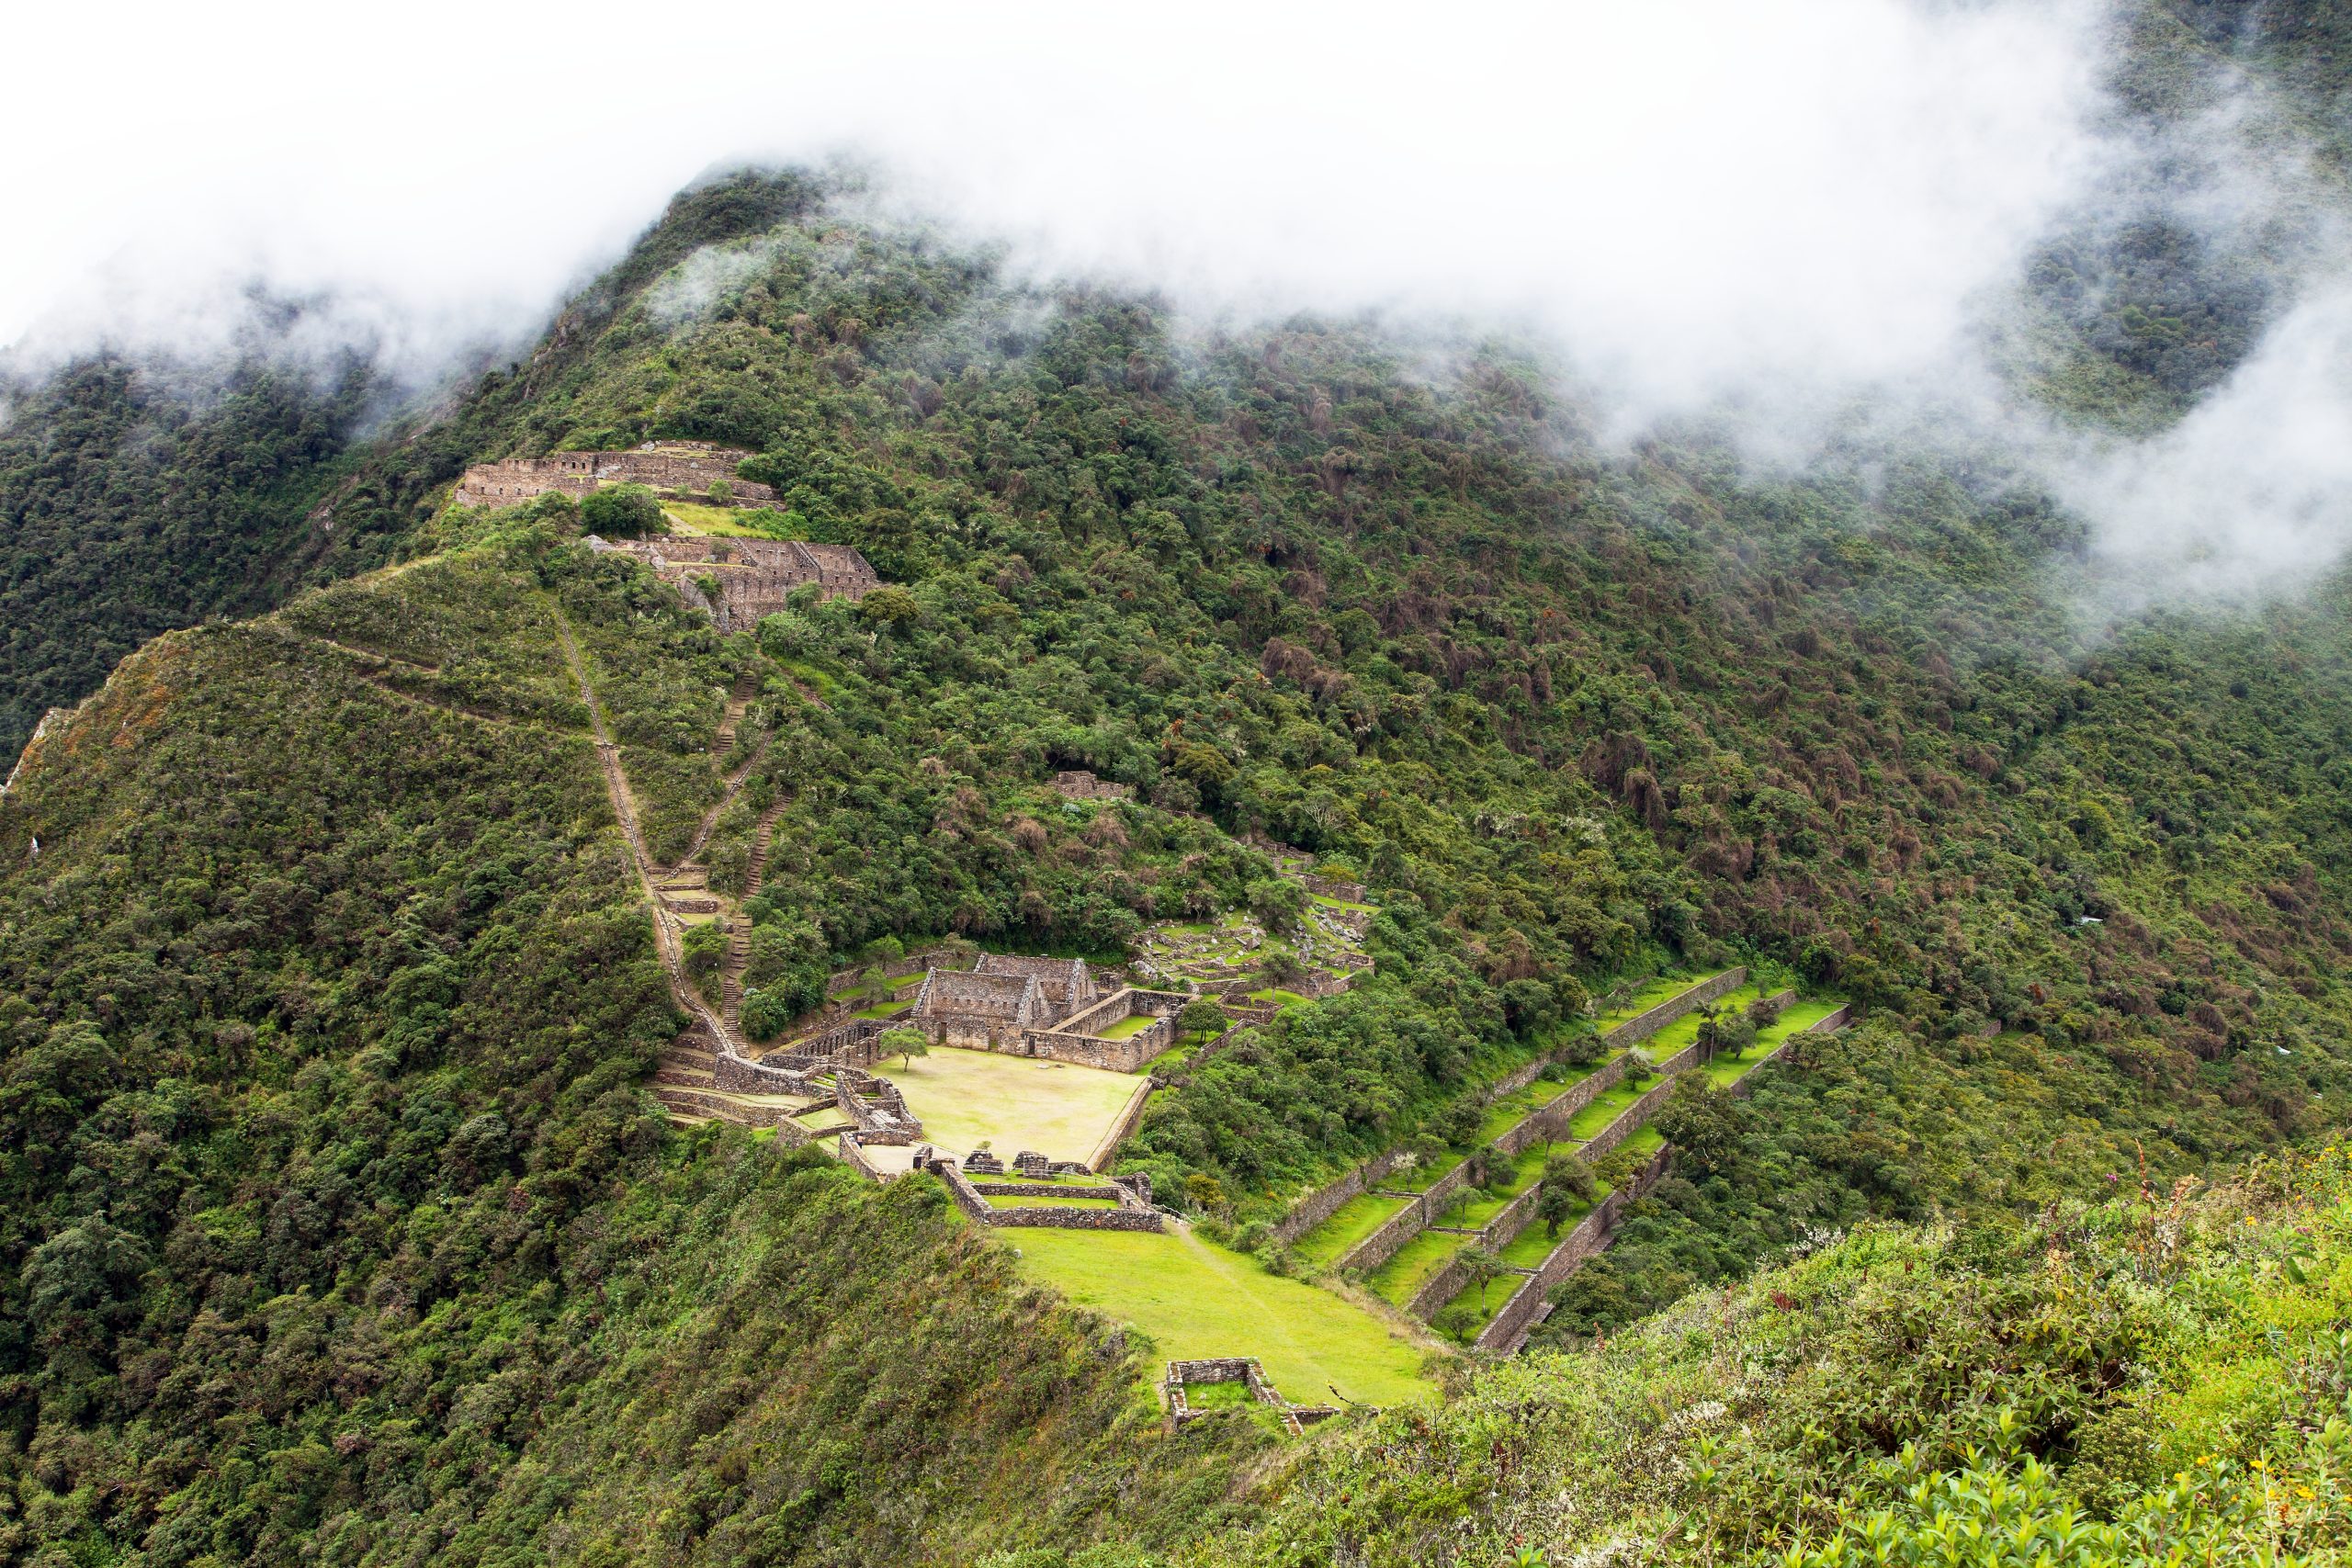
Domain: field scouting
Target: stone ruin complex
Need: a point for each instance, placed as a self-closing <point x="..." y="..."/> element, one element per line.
<point x="1043" y="1006"/>
<point x="754" y="577"/>
<point x="681" y="470"/>
<point x="1077" y="784"/>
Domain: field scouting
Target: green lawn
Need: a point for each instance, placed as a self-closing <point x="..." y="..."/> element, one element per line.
<point x="1330" y="903"/>
<point x="1350" y="1223"/>
<point x="1277" y="998"/>
<point x="1134" y="1023"/>
<point x="907" y="982"/>
<point x="1060" y="1110"/>
<point x="1197" y="1301"/>
<point x="1045" y="1200"/>
<point x="694" y="517"/>
<point x="881" y="1010"/>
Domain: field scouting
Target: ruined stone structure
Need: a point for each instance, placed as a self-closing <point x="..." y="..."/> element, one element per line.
<point x="754" y="577"/>
<point x="1077" y="784"/>
<point x="680" y="470"/>
<point x="1043" y="1006"/>
<point x="1243" y="1370"/>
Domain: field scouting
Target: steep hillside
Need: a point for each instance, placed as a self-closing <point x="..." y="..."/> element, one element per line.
<point x="340" y="1223"/>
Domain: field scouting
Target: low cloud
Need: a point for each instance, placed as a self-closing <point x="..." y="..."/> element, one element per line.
<point x="1754" y="211"/>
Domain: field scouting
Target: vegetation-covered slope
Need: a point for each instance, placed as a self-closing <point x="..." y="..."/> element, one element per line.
<point x="2161" y="1378"/>
<point x="338" y="1226"/>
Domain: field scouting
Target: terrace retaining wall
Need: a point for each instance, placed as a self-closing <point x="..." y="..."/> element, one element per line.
<point x="1591" y="1234"/>
<point x="1316" y="1207"/>
<point x="1496" y="1235"/>
<point x="1629" y="1121"/>
<point x="1548" y="1123"/>
<point x="1406" y="1222"/>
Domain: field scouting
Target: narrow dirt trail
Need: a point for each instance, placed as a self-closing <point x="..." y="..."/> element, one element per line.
<point x="665" y="926"/>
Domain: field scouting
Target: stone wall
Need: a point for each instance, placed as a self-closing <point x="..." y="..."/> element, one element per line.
<point x="1496" y="1235"/>
<point x="1629" y="1121"/>
<point x="1107" y="1151"/>
<point x="1077" y="784"/>
<point x="1634" y="1030"/>
<point x="1406" y="1223"/>
<point x="680" y="468"/>
<point x="1548" y="1123"/>
<point x="1043" y="1218"/>
<point x="1316" y="1207"/>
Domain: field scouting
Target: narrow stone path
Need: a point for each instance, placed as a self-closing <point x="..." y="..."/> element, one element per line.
<point x="665" y="925"/>
<point x="739" y="942"/>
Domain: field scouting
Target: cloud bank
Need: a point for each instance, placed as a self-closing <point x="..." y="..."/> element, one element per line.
<point x="1755" y="203"/>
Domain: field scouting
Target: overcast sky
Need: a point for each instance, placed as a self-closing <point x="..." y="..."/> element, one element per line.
<point x="1702" y="199"/>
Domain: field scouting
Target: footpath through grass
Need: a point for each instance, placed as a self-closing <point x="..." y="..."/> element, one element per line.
<point x="1197" y="1301"/>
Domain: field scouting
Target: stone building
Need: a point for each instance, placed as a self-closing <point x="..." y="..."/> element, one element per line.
<point x="1080" y="784"/>
<point x="680" y="470"/>
<point x="754" y="577"/>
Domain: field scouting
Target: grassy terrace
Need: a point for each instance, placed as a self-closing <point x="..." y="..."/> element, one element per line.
<point x="1512" y="1109"/>
<point x="1604" y="1110"/>
<point x="1350" y="1224"/>
<point x="1134" y="1023"/>
<point x="1684" y="1031"/>
<point x="1354" y="1220"/>
<point x="1664" y="988"/>
<point x="1198" y="1301"/>
<point x="1414" y="1263"/>
<point x="1045" y="1200"/>
<point x="1798" y="1016"/>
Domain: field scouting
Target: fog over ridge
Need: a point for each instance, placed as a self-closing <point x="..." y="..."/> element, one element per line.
<point x="1766" y="209"/>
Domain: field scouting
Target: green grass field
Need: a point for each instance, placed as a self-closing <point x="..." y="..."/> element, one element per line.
<point x="1350" y="1223"/>
<point x="1197" y="1301"/>
<point x="1045" y="1200"/>
<point x="697" y="517"/>
<point x="1015" y="1102"/>
<point x="1134" y="1023"/>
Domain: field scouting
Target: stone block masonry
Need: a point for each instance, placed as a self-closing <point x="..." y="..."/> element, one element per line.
<point x="682" y="468"/>
<point x="1316" y="1207"/>
<point x="1508" y="1329"/>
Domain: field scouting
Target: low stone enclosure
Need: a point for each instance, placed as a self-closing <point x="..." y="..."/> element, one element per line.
<point x="1244" y="1369"/>
<point x="680" y="470"/>
<point x="754" y="578"/>
<point x="1077" y="784"/>
<point x="1130" y="1194"/>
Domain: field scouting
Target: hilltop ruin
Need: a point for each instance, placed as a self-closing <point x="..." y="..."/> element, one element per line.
<point x="753" y="578"/>
<point x="679" y="470"/>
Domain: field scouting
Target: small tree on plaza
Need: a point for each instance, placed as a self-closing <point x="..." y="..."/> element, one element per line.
<point x="906" y="1045"/>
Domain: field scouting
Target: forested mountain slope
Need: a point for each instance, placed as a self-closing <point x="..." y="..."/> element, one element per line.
<point x="339" y="1224"/>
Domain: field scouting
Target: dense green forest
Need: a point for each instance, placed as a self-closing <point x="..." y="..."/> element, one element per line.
<point x="336" y="1221"/>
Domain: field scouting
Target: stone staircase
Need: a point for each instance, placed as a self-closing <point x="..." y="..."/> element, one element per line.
<point x="739" y="703"/>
